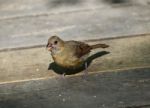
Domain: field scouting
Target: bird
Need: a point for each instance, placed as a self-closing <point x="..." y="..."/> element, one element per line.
<point x="70" y="54"/>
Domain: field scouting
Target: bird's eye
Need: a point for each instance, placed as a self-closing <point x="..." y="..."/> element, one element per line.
<point x="55" y="42"/>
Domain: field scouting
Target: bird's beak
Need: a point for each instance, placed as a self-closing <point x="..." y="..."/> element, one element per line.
<point x="49" y="46"/>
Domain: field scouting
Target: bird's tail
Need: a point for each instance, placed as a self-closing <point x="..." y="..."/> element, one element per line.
<point x="99" y="46"/>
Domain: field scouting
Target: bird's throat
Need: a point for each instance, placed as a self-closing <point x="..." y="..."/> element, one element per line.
<point x="56" y="50"/>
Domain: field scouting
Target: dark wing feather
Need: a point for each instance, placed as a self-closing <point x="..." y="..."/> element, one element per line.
<point x="82" y="49"/>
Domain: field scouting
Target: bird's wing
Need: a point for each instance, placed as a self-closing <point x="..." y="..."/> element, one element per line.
<point x="81" y="48"/>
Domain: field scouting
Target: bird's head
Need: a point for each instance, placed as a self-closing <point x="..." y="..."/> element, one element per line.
<point x="54" y="44"/>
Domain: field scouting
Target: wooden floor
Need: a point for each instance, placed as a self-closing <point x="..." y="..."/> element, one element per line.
<point x="119" y="77"/>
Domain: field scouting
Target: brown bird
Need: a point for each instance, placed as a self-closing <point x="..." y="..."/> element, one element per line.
<point x="70" y="54"/>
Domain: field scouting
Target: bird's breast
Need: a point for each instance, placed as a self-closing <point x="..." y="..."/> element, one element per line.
<point x="66" y="60"/>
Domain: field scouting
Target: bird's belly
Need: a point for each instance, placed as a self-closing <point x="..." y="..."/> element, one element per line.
<point x="67" y="61"/>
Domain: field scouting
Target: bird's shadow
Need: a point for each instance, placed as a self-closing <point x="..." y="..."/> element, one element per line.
<point x="68" y="71"/>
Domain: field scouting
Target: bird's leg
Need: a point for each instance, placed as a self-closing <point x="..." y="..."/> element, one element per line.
<point x="63" y="75"/>
<point x="85" y="71"/>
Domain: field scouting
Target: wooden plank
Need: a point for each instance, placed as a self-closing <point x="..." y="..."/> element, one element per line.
<point x="32" y="64"/>
<point x="123" y="89"/>
<point x="21" y="8"/>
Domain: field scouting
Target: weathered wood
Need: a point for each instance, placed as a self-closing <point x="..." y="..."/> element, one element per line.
<point x="32" y="64"/>
<point x="20" y="8"/>
<point x="80" y="25"/>
<point x="123" y="89"/>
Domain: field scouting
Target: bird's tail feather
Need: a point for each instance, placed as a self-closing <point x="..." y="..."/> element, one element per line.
<point x="99" y="46"/>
